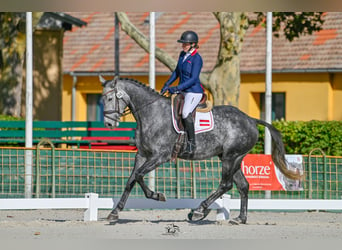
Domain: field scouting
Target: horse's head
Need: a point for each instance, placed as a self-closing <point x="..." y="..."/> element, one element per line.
<point x="115" y="100"/>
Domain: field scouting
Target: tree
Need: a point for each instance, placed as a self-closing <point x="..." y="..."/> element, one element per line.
<point x="224" y="79"/>
<point x="12" y="56"/>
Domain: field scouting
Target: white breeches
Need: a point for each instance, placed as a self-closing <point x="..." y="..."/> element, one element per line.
<point x="191" y="100"/>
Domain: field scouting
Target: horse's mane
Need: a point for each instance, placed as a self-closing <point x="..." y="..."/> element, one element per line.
<point x="138" y="83"/>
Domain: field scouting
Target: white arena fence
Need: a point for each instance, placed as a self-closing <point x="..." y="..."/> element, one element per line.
<point x="92" y="203"/>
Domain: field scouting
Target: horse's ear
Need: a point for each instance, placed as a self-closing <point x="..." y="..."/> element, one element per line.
<point x="102" y="80"/>
<point x="115" y="79"/>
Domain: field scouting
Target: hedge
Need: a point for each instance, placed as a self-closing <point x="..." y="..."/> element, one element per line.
<point x="301" y="137"/>
<point x="9" y="118"/>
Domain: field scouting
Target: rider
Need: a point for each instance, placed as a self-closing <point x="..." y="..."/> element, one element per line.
<point x="188" y="70"/>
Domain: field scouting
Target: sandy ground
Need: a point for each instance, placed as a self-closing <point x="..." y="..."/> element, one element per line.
<point x="167" y="224"/>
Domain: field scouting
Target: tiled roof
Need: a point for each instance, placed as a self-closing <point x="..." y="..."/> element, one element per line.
<point x="91" y="48"/>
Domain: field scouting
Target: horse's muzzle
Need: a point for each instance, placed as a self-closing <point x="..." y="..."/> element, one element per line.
<point x="111" y="118"/>
<point x="112" y="124"/>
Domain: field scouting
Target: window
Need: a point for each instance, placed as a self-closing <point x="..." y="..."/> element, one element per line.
<point x="94" y="107"/>
<point x="278" y="106"/>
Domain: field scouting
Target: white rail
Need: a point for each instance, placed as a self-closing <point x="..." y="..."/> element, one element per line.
<point x="223" y="205"/>
<point x="92" y="203"/>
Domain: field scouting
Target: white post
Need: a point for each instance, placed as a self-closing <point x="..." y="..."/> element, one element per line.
<point x="152" y="51"/>
<point x="223" y="213"/>
<point x="28" y="123"/>
<point x="151" y="179"/>
<point x="91" y="213"/>
<point x="268" y="91"/>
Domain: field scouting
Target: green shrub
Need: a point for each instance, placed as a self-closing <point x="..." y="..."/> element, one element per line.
<point x="301" y="137"/>
<point x="9" y="118"/>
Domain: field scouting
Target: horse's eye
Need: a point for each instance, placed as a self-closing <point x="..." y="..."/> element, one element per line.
<point x="110" y="99"/>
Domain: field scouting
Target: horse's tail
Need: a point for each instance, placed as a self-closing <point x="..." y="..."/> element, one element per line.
<point x="278" y="152"/>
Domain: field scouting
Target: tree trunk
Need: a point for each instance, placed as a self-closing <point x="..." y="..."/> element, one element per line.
<point x="12" y="71"/>
<point x="224" y="80"/>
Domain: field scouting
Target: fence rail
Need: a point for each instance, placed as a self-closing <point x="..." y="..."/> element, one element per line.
<point x="65" y="173"/>
<point x="91" y="203"/>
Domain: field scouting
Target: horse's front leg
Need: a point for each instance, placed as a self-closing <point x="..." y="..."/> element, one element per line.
<point x="141" y="167"/>
<point x="114" y="214"/>
<point x="149" y="193"/>
<point x="149" y="165"/>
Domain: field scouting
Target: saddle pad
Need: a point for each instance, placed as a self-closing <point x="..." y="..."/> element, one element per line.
<point x="204" y="122"/>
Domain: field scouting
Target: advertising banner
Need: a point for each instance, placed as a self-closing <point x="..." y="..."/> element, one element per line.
<point x="262" y="174"/>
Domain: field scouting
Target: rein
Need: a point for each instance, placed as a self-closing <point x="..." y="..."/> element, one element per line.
<point x="141" y="107"/>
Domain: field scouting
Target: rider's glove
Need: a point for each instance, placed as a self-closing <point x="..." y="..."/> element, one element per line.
<point x="163" y="90"/>
<point x="173" y="90"/>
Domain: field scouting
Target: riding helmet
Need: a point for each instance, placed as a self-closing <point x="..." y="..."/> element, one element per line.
<point x="188" y="37"/>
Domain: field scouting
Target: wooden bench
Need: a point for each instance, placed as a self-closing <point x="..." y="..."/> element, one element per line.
<point x="71" y="133"/>
<point x="112" y="141"/>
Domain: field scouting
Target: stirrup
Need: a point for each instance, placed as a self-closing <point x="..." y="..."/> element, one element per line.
<point x="190" y="148"/>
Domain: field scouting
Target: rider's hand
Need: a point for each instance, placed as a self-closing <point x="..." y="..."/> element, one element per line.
<point x="173" y="90"/>
<point x="163" y="90"/>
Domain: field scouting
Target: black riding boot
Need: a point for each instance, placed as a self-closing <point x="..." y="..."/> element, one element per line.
<point x="190" y="131"/>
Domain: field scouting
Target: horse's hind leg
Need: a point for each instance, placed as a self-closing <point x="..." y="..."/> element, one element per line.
<point x="203" y="210"/>
<point x="243" y="187"/>
<point x="225" y="185"/>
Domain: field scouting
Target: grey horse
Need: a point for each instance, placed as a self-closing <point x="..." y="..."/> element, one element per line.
<point x="233" y="136"/>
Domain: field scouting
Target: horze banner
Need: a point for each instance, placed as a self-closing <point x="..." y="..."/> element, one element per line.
<point x="261" y="173"/>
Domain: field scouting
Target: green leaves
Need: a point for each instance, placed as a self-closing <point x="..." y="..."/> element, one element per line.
<point x="291" y="24"/>
<point x="301" y="137"/>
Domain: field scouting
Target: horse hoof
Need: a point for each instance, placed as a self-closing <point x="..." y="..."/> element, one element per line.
<point x="112" y="217"/>
<point x="161" y="197"/>
<point x="234" y="222"/>
<point x="195" y="215"/>
<point x="190" y="215"/>
<point x="237" y="221"/>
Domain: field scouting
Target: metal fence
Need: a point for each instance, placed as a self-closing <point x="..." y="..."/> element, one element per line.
<point x="74" y="172"/>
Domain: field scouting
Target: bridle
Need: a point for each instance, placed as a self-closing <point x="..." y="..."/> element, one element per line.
<point x="118" y="96"/>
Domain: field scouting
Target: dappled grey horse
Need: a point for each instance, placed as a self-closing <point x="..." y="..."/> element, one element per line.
<point x="233" y="136"/>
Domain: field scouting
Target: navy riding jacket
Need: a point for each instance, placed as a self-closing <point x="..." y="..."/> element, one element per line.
<point x="188" y="73"/>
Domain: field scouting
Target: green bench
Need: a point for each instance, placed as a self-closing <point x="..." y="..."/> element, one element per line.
<point x="70" y="133"/>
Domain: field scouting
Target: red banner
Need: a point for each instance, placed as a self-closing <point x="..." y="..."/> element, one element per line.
<point x="260" y="173"/>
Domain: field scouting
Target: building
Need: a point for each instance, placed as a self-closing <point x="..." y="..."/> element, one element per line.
<point x="307" y="73"/>
<point x="47" y="61"/>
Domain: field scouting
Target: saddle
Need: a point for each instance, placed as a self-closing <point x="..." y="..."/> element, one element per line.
<point x="177" y="102"/>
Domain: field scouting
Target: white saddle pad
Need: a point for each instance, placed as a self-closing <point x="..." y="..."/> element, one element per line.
<point x="204" y="122"/>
